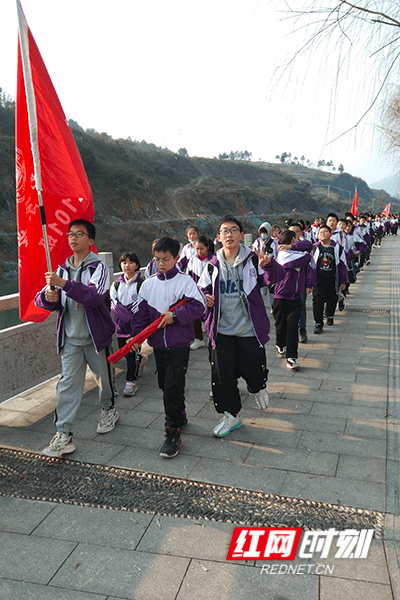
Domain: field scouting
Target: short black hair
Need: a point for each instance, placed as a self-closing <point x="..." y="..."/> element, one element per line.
<point x="90" y="228"/>
<point x="168" y="244"/>
<point x="229" y="219"/>
<point x="333" y="215"/>
<point x="325" y="226"/>
<point x="286" y="236"/>
<point x="132" y="257"/>
<point x="296" y="224"/>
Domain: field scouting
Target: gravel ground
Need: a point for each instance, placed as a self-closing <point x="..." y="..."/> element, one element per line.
<point x="36" y="477"/>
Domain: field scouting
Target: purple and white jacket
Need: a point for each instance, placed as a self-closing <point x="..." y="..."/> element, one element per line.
<point x="340" y="260"/>
<point x="91" y="291"/>
<point x="124" y="299"/>
<point x="293" y="284"/>
<point x="151" y="269"/>
<point x="253" y="277"/>
<point x="156" y="296"/>
<point x="196" y="266"/>
<point x="186" y="254"/>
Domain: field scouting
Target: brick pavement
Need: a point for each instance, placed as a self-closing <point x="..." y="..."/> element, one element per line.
<point x="330" y="435"/>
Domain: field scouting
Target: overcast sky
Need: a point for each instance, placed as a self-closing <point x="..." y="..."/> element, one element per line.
<point x="180" y="73"/>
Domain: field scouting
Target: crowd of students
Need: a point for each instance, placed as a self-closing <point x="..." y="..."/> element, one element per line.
<point x="228" y="289"/>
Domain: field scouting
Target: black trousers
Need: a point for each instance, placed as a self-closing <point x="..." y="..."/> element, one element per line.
<point x="198" y="331"/>
<point x="232" y="358"/>
<point x="287" y="314"/>
<point x="324" y="291"/>
<point x="172" y="365"/>
<point x="133" y="360"/>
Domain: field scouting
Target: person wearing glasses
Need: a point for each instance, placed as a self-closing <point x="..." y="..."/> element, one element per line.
<point x="79" y="292"/>
<point x="236" y="322"/>
<point x="171" y="342"/>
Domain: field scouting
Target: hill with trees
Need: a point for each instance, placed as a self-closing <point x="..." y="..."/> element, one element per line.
<point x="142" y="191"/>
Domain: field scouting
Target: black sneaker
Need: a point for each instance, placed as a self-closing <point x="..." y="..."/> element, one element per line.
<point x="341" y="305"/>
<point x="170" y="447"/>
<point x="303" y="335"/>
<point x="329" y="321"/>
<point x="318" y="328"/>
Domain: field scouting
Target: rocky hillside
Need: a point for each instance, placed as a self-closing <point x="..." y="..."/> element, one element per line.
<point x="141" y="192"/>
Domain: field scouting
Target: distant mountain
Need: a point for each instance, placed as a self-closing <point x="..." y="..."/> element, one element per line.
<point x="142" y="192"/>
<point x="391" y="185"/>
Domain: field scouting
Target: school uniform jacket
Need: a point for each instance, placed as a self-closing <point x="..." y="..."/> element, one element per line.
<point x="294" y="282"/>
<point x="91" y="290"/>
<point x="186" y="254"/>
<point x="196" y="266"/>
<point x="340" y="260"/>
<point x="157" y="295"/>
<point x="124" y="300"/>
<point x="254" y="277"/>
<point x="150" y="269"/>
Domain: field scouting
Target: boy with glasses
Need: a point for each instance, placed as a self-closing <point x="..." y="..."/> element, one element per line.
<point x="329" y="274"/>
<point x="79" y="291"/>
<point x="172" y="341"/>
<point x="236" y="322"/>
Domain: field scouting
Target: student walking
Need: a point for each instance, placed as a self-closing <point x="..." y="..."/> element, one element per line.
<point x="124" y="296"/>
<point x="204" y="248"/>
<point x="192" y="233"/>
<point x="288" y="293"/>
<point x="329" y="274"/>
<point x="236" y="322"/>
<point x="84" y="333"/>
<point x="171" y="342"/>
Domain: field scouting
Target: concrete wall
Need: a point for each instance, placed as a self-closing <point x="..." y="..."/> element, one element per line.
<point x="28" y="352"/>
<point x="28" y="356"/>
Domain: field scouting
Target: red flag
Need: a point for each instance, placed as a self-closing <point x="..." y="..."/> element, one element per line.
<point x="354" y="206"/>
<point x="386" y="210"/>
<point x="140" y="337"/>
<point x="49" y="169"/>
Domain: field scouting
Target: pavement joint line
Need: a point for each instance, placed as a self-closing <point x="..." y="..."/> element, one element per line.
<point x="32" y="476"/>
<point x="372" y="311"/>
<point x="393" y="455"/>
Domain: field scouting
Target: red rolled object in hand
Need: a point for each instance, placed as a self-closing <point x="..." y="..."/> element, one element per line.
<point x="142" y="336"/>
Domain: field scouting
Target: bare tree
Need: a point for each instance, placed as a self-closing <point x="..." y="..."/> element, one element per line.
<point x="362" y="34"/>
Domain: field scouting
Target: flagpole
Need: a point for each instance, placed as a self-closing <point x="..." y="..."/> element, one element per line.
<point x="32" y="117"/>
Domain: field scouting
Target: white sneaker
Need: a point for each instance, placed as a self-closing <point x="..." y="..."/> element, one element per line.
<point x="227" y="423"/>
<point x="59" y="445"/>
<point x="196" y="344"/>
<point x="262" y="399"/>
<point x="142" y="366"/>
<point x="292" y="364"/>
<point x="108" y="418"/>
<point x="280" y="352"/>
<point x="130" y="388"/>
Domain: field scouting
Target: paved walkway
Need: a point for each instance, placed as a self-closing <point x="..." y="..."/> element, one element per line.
<point x="330" y="435"/>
